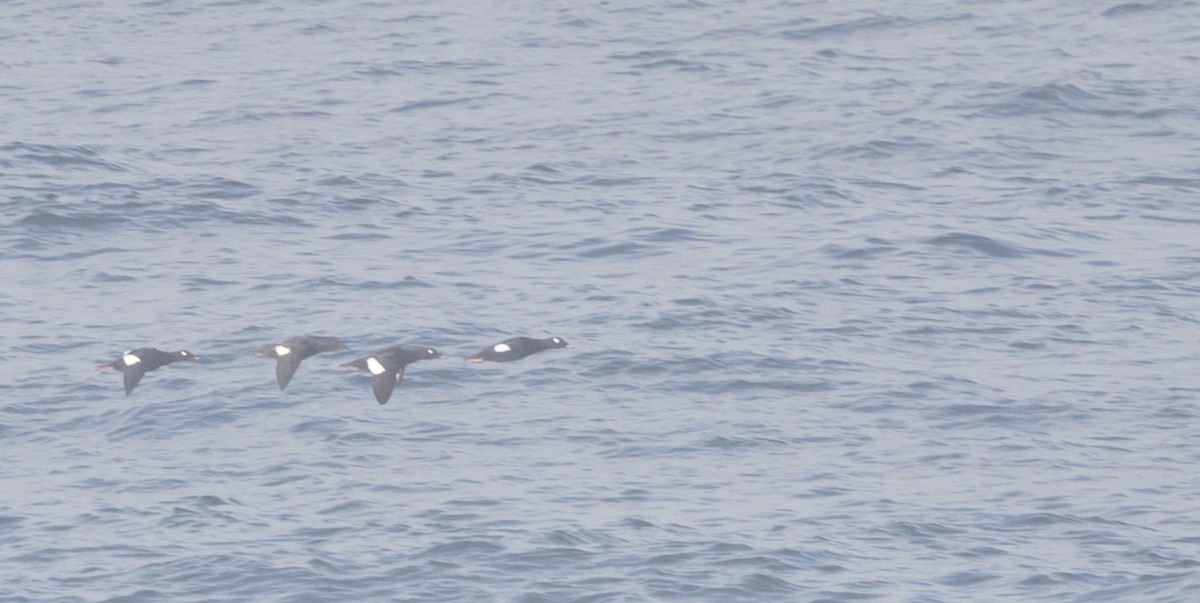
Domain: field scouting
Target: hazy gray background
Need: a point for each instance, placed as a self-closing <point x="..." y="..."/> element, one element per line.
<point x="869" y="301"/>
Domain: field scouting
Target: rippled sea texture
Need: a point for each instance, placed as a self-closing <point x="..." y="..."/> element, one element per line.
<point x="869" y="301"/>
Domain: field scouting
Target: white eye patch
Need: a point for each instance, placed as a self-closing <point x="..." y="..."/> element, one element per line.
<point x="283" y="350"/>
<point x="501" y="348"/>
<point x="374" y="366"/>
<point x="130" y="359"/>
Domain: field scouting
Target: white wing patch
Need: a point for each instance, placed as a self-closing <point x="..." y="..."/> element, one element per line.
<point x="501" y="348"/>
<point x="374" y="366"/>
<point x="282" y="350"/>
<point x="130" y="359"/>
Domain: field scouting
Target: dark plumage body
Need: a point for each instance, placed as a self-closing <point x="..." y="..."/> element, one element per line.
<point x="387" y="367"/>
<point x="517" y="348"/>
<point x="136" y="363"/>
<point x="289" y="354"/>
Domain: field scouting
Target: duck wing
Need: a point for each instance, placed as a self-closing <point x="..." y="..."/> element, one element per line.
<point x="133" y="376"/>
<point x="384" y="383"/>
<point x="285" y="367"/>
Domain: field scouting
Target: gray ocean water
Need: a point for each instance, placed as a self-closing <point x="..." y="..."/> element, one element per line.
<point x="869" y="301"/>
